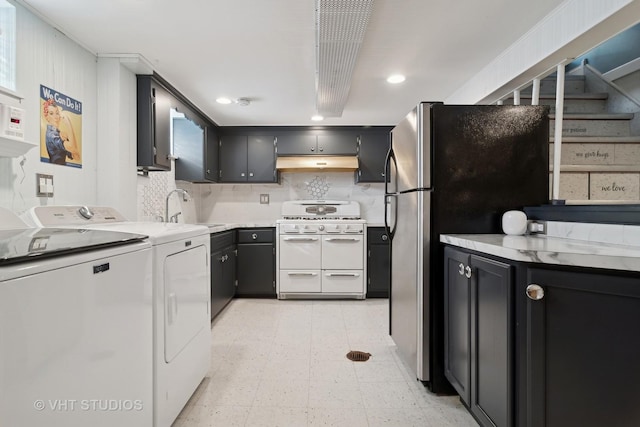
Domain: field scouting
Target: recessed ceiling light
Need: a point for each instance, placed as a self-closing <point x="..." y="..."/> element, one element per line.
<point x="396" y="78"/>
<point x="317" y="118"/>
<point x="223" y="100"/>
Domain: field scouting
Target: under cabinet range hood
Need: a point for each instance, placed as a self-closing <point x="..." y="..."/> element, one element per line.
<point x="317" y="163"/>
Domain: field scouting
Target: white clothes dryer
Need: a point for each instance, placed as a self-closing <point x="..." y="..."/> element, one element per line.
<point x="181" y="295"/>
<point x="75" y="327"/>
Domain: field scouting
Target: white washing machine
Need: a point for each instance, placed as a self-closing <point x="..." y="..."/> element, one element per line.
<point x="181" y="294"/>
<point x="75" y="327"/>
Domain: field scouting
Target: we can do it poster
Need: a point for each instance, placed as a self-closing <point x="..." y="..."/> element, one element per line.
<point x="60" y="129"/>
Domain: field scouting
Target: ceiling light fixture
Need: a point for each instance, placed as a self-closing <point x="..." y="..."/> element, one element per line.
<point x="395" y="78"/>
<point x="223" y="100"/>
<point x="317" y="118"/>
<point x="243" y="102"/>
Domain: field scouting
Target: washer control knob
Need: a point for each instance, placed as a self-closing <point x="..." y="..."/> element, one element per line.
<point x="85" y="212"/>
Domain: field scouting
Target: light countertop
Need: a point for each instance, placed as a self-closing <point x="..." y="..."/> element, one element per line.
<point x="551" y="250"/>
<point x="216" y="228"/>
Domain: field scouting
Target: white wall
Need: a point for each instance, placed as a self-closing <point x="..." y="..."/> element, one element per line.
<point x="107" y="91"/>
<point x="569" y="31"/>
<point x="45" y="56"/>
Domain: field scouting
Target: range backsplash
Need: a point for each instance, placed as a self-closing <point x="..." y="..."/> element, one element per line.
<point x="233" y="203"/>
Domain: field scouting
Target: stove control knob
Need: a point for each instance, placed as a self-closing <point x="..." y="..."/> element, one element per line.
<point x="321" y="227"/>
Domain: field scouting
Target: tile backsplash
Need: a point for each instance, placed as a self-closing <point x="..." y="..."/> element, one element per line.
<point x="228" y="203"/>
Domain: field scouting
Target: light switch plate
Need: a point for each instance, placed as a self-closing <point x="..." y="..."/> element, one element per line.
<point x="264" y="199"/>
<point x="44" y="185"/>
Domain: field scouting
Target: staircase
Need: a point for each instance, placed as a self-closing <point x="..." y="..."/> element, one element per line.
<point x="600" y="161"/>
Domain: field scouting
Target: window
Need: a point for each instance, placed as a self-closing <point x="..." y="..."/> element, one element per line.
<point x="7" y="45"/>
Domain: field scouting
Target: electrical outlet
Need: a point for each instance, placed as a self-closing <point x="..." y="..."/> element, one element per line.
<point x="44" y="185"/>
<point x="264" y="199"/>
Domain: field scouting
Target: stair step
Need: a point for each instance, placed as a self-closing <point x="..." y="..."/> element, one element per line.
<point x="604" y="116"/>
<point x="577" y="96"/>
<point x="599" y="139"/>
<point x="572" y="84"/>
<point x="572" y="104"/>
<point x="583" y="127"/>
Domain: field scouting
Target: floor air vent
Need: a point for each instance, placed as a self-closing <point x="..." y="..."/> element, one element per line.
<point x="358" y="356"/>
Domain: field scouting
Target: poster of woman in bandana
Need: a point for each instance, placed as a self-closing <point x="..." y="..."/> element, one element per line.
<point x="61" y="129"/>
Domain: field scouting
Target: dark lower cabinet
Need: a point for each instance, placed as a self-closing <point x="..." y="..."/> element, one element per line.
<point x="457" y="310"/>
<point x="378" y="263"/>
<point x="256" y="263"/>
<point x="223" y="270"/>
<point x="583" y="348"/>
<point x="478" y="335"/>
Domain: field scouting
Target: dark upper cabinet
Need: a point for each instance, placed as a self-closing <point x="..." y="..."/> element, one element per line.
<point x="247" y="158"/>
<point x="189" y="135"/>
<point x="195" y="146"/>
<point x="372" y="152"/>
<point x="211" y="171"/>
<point x="295" y="144"/>
<point x="154" y="125"/>
<point x="340" y="143"/>
<point x="582" y="347"/>
<point x="323" y="142"/>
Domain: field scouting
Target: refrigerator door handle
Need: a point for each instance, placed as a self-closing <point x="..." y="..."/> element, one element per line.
<point x="389" y="228"/>
<point x="389" y="178"/>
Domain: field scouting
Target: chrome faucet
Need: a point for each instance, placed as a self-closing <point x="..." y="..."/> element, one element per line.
<point x="185" y="198"/>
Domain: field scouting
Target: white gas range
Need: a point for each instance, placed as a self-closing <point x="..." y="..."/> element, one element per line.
<point x="321" y="250"/>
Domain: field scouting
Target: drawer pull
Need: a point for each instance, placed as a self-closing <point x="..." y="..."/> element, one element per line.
<point x="343" y="239"/>
<point x="300" y="239"/>
<point x="302" y="274"/>
<point x="461" y="269"/>
<point x="342" y="274"/>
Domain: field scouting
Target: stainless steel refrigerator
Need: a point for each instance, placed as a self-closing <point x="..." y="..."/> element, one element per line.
<point x="452" y="169"/>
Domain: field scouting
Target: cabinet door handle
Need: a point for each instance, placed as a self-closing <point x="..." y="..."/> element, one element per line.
<point x="467" y="273"/>
<point x="320" y="149"/>
<point x="250" y="173"/>
<point x="385" y="237"/>
<point x="254" y="236"/>
<point x="461" y="269"/>
<point x="242" y="174"/>
<point x="535" y="292"/>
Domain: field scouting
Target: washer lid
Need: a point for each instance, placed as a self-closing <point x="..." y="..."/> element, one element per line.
<point x="26" y="244"/>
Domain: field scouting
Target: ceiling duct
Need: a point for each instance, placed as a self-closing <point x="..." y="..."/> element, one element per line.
<point x="340" y="30"/>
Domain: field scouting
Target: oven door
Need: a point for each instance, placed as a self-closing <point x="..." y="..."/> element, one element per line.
<point x="300" y="252"/>
<point x="342" y="252"/>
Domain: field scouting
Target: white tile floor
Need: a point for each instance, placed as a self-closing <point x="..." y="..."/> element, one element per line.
<point x="282" y="363"/>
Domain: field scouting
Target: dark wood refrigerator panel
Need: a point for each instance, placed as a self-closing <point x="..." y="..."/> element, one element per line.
<point x="487" y="160"/>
